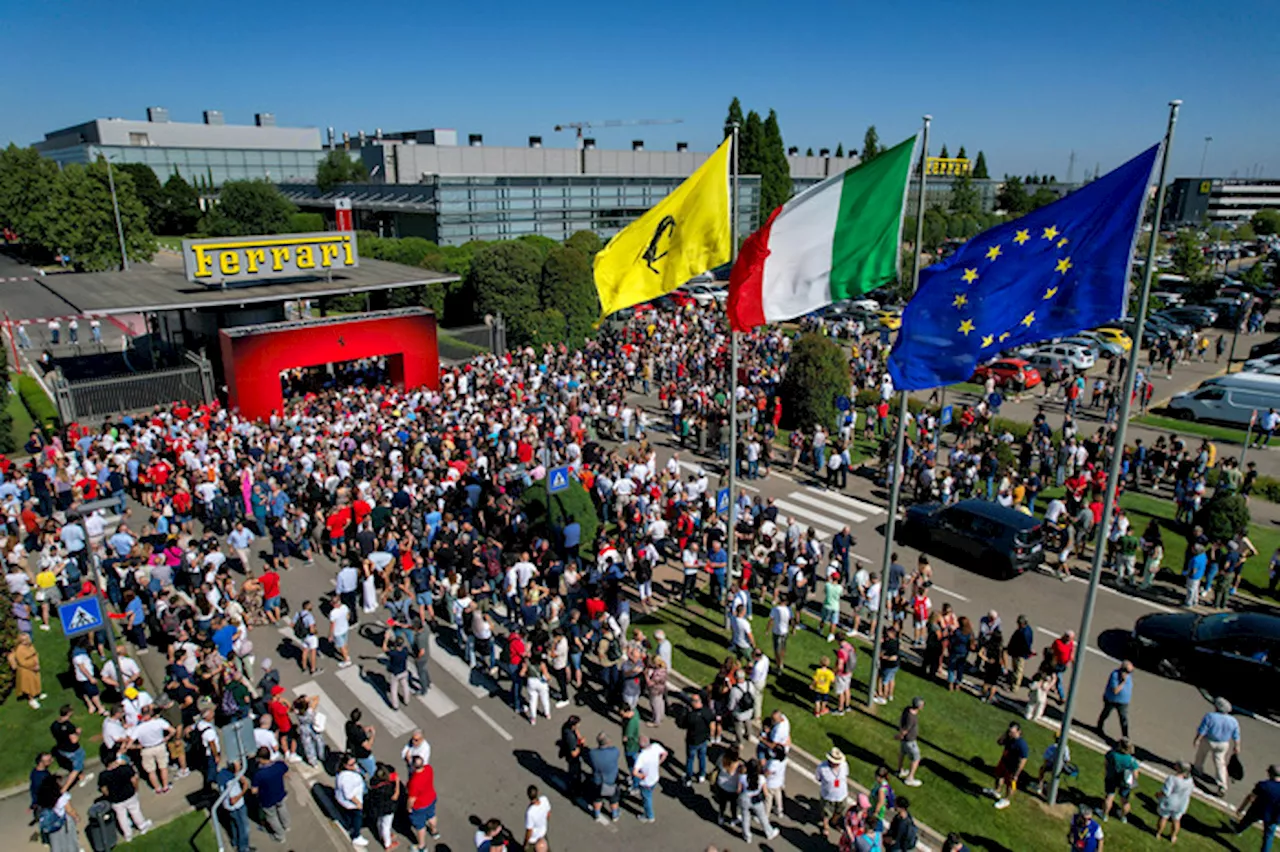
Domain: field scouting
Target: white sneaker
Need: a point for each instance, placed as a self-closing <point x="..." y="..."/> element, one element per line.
<point x="35" y="705"/>
<point x="533" y="720"/>
<point x="146" y="826"/>
<point x="342" y="665"/>
<point x="559" y="704"/>
<point x="1001" y="804"/>
<point x="903" y="773"/>
<point x="913" y="782"/>
<point x="294" y="758"/>
<point x="359" y="841"/>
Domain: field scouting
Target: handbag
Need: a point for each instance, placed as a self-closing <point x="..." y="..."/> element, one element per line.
<point x="1235" y="768"/>
<point x="318" y="722"/>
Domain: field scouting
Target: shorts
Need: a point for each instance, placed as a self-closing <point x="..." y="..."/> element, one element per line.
<point x="424" y="599"/>
<point x="419" y="817"/>
<point x="830" y="616"/>
<point x="340" y="640"/>
<point x="1005" y="773"/>
<point x="155" y="757"/>
<point x="72" y="761"/>
<point x="311" y="643"/>
<point x="843" y="682"/>
<point x="779" y="642"/>
<point x="1115" y="787"/>
<point x="1163" y="810"/>
<point x="820" y="698"/>
<point x="271" y="604"/>
<point x="833" y="810"/>
<point x="888" y="673"/>
<point x="611" y="793"/>
<point x="909" y="749"/>
<point x="86" y="689"/>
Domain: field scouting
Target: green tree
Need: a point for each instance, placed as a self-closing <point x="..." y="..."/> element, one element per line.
<point x="964" y="197"/>
<point x="943" y="153"/>
<point x="568" y="287"/>
<point x="504" y="278"/>
<point x="839" y="149"/>
<point x="808" y="152"/>
<point x="148" y="189"/>
<point x="980" y="167"/>
<point x="935" y="228"/>
<point x="306" y="223"/>
<point x="1245" y="232"/>
<point x="1266" y="222"/>
<point x="83" y="201"/>
<point x="817" y="373"/>
<point x="775" y="180"/>
<point x="27" y="183"/>
<point x="734" y="117"/>
<point x="751" y="145"/>
<point x="248" y="207"/>
<point x="1223" y="516"/>
<point x="1255" y="276"/>
<point x="542" y="245"/>
<point x="1187" y="256"/>
<point x="181" y="207"/>
<point x="339" y="167"/>
<point x="1041" y="197"/>
<point x="870" y="144"/>
<point x="961" y="155"/>
<point x="548" y="514"/>
<point x="587" y="242"/>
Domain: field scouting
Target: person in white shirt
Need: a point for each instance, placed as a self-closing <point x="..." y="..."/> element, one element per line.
<point x="535" y="817"/>
<point x="152" y="735"/>
<point x="416" y="747"/>
<point x="348" y="789"/>
<point x="663" y="647"/>
<point x="339" y="627"/>
<point x="264" y="737"/>
<point x="775" y="773"/>
<point x="833" y="789"/>
<point x="647" y="772"/>
<point x="759" y="680"/>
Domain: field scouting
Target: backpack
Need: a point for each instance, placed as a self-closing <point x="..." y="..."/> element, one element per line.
<point x="50" y="821"/>
<point x="745" y="703"/>
<point x="910" y="836"/>
<point x="890" y="798"/>
<point x="300" y="630"/>
<point x="229" y="705"/>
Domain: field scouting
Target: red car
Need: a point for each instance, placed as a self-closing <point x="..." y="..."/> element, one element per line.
<point x="1008" y="372"/>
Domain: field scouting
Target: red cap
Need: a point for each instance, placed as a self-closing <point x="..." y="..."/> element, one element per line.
<point x="277" y="690"/>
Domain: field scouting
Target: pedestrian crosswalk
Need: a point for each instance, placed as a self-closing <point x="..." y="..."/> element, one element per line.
<point x="394" y="722"/>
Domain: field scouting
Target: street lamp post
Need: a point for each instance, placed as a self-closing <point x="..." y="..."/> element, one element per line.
<point x="76" y="515"/>
<point x="1204" y="158"/>
<point x="115" y="207"/>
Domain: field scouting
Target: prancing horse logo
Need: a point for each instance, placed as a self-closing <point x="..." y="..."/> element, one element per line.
<point x="667" y="227"/>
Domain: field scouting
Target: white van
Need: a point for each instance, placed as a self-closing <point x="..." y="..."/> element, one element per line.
<point x="1228" y="399"/>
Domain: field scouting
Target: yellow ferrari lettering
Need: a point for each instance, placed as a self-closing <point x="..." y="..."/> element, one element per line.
<point x="279" y="255"/>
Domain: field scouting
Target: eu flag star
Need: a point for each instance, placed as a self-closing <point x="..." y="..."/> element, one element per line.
<point x="1051" y="232"/>
<point x="966" y="326"/>
<point x="960" y="300"/>
<point x="1063" y="265"/>
<point x="1028" y="319"/>
<point x="1004" y="337"/>
<point x="993" y="252"/>
<point x="987" y="340"/>
<point x="1062" y="242"/>
<point x="970" y="276"/>
<point x="1051" y="292"/>
<point x="1022" y="236"/>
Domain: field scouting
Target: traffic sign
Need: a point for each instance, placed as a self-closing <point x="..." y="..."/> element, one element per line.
<point x="722" y="500"/>
<point x="81" y="615"/>
<point x="557" y="480"/>
<point x="842" y="402"/>
<point x="238" y="744"/>
<point x="945" y="418"/>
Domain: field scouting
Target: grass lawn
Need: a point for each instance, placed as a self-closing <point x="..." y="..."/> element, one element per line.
<point x="455" y="347"/>
<point x="958" y="735"/>
<point x="171" y="243"/>
<point x="28" y="730"/>
<point x="1227" y="434"/>
<point x="189" y="831"/>
<point x="22" y="423"/>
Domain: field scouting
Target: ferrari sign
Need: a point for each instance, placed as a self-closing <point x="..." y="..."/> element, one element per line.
<point x="221" y="259"/>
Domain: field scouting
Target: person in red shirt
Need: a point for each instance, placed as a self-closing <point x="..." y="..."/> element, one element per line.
<point x="270" y="581"/>
<point x="1063" y="651"/>
<point x="284" y="725"/>
<point x="422" y="802"/>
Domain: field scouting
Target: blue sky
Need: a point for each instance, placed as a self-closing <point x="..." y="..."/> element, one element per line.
<point x="1026" y="82"/>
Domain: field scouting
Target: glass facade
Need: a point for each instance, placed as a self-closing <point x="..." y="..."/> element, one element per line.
<point x="210" y="165"/>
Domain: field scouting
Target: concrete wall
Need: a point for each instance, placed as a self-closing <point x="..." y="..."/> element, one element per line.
<point x="175" y="134"/>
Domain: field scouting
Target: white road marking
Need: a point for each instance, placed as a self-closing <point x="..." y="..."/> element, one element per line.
<point x="456" y="667"/>
<point x="950" y="593"/>
<point x="1092" y="650"/>
<point x="437" y="702"/>
<point x="395" y="722"/>
<point x="786" y="507"/>
<point x="492" y="724"/>
<point x="823" y="498"/>
<point x="334" y="717"/>
<point x="1120" y="594"/>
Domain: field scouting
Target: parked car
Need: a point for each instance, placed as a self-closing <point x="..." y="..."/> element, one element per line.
<point x="1008" y="373"/>
<point x="1106" y="348"/>
<point x="1174" y="329"/>
<point x="989" y="537"/>
<point x="1228" y="399"/>
<point x="1233" y="654"/>
<point x="1271" y="347"/>
<point x="1045" y="362"/>
<point x="1089" y="344"/>
<point x="1197" y="316"/>
<point x="1257" y="365"/>
<point x="705" y="294"/>
<point x="1077" y="356"/>
<point x="1111" y="334"/>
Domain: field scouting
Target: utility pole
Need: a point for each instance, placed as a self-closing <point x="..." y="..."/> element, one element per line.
<point x="115" y="206"/>
<point x="1204" y="158"/>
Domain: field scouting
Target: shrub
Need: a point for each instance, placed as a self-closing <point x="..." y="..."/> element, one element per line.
<point x="306" y="223"/>
<point x="817" y="373"/>
<point x="38" y="403"/>
<point x="574" y="502"/>
<point x="1223" y="517"/>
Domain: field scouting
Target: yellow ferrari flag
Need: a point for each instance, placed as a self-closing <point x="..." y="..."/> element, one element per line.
<point x="684" y="235"/>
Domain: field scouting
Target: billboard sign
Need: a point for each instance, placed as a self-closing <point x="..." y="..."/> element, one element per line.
<point x="220" y="259"/>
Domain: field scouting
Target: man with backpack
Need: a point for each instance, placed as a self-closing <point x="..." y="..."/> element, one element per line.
<point x="1121" y="778"/>
<point x="741" y="706"/>
<point x="903" y="835"/>
<point x="304" y="630"/>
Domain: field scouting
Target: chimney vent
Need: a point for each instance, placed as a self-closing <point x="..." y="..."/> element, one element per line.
<point x="825" y="152"/>
<point x="213" y="116"/>
<point x="346" y="141"/>
<point x="637" y="144"/>
<point x="360" y="135"/>
<point x="377" y="133"/>
<point x="264" y="119"/>
<point x="535" y="141"/>
<point x="792" y="151"/>
<point x="475" y="140"/>
<point x="588" y="144"/>
<point x="159" y="115"/>
<point x="681" y="147"/>
<point x="331" y="137"/>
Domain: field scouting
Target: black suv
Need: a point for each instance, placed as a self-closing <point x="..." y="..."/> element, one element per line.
<point x="985" y="535"/>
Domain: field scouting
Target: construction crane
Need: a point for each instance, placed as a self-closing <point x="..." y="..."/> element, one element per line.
<point x="579" y="126"/>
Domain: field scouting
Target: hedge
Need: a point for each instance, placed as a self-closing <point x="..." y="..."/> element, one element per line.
<point x="38" y="403"/>
<point x="574" y="502"/>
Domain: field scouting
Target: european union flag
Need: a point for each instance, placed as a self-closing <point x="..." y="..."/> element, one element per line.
<point x="1054" y="272"/>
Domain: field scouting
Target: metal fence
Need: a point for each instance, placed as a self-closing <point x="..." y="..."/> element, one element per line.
<point x="135" y="392"/>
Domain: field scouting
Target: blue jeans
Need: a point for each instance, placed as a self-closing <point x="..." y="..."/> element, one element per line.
<point x="516" y="690"/>
<point x="692" y="753"/>
<point x="646" y="796"/>
<point x="1268" y="835"/>
<point x="819" y="458"/>
<point x="367" y="766"/>
<point x="238" y="823"/>
<point x="352" y="820"/>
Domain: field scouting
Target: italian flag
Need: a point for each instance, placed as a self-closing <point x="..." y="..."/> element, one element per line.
<point x="837" y="240"/>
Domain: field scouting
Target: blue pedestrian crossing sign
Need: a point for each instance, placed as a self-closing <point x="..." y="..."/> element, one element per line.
<point x="557" y="480"/>
<point x="82" y="615"/>
<point x="722" y="501"/>
<point x="945" y="418"/>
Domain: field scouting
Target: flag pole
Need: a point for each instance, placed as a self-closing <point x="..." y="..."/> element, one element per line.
<point x="895" y="485"/>
<point x="1113" y="472"/>
<point x="731" y="538"/>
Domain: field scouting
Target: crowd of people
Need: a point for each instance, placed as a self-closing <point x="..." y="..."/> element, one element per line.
<point x="419" y="497"/>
